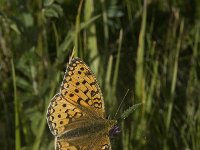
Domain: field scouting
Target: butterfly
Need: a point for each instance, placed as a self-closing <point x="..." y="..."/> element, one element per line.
<point x="76" y="115"/>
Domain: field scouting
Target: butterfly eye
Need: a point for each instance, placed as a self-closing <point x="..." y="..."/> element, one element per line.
<point x="114" y="131"/>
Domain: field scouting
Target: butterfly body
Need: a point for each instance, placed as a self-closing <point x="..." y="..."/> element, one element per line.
<point x="84" y="129"/>
<point x="76" y="115"/>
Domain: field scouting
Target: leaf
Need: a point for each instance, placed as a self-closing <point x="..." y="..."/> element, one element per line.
<point x="48" y="2"/>
<point x="53" y="10"/>
<point x="129" y="110"/>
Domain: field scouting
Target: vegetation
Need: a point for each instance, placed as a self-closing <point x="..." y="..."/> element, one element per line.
<point x="150" y="48"/>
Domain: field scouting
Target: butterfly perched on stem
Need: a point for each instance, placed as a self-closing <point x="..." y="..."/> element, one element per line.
<point x="76" y="115"/>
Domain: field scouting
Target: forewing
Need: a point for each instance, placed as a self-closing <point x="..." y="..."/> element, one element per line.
<point x="80" y="87"/>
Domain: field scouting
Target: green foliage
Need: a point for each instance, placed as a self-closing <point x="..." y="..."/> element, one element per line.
<point x="130" y="110"/>
<point x="149" y="47"/>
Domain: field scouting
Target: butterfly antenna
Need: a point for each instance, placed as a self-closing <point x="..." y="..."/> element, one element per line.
<point x="121" y="103"/>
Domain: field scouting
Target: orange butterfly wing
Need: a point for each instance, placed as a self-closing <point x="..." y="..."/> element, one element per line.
<point x="79" y="100"/>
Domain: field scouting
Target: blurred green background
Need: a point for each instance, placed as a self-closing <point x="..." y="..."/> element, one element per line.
<point x="150" y="48"/>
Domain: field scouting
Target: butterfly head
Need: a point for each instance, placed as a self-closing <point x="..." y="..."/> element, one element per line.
<point x="114" y="130"/>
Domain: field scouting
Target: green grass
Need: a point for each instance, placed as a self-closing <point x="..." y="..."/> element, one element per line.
<point x="150" y="48"/>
